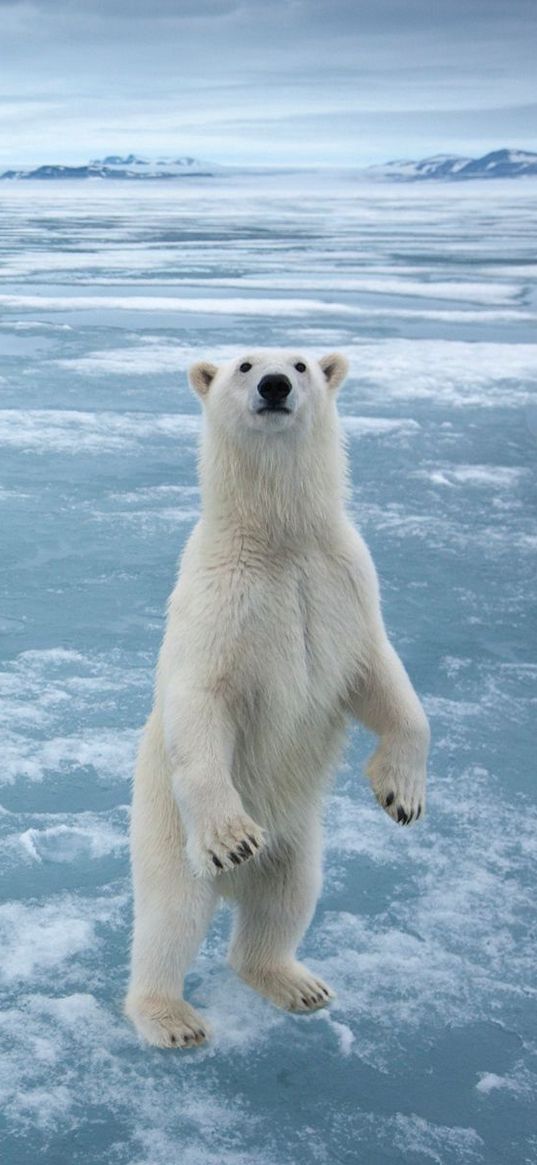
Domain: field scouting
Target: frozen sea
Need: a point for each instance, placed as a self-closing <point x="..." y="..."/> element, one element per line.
<point x="108" y="292"/>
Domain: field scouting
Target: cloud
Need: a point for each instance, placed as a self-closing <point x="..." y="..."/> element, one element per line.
<point x="253" y="81"/>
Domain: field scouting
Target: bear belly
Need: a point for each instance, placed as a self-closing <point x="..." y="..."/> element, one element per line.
<point x="290" y="710"/>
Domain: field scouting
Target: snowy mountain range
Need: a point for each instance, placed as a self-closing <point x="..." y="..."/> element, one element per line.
<point x="130" y="168"/>
<point x="498" y="164"/>
<point x="451" y="167"/>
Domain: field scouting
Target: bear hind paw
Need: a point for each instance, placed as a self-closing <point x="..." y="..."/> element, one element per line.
<point x="291" y="987"/>
<point x="166" y="1023"/>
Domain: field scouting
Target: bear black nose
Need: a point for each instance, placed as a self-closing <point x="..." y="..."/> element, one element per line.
<point x="274" y="387"/>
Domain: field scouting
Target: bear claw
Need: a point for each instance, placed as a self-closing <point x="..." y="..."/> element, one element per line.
<point x="225" y="846"/>
<point x="399" y="786"/>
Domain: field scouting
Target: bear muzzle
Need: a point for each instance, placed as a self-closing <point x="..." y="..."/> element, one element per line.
<point x="274" y="388"/>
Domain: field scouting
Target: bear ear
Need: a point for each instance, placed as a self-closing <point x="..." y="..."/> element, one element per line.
<point x="335" y="368"/>
<point x="201" y="376"/>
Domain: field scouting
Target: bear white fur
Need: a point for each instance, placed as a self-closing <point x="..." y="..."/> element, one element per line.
<point x="274" y="640"/>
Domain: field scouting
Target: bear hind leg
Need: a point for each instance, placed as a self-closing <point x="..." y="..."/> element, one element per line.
<point x="167" y="935"/>
<point x="172" y="912"/>
<point x="276" y="899"/>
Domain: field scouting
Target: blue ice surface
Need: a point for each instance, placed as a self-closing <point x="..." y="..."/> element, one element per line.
<point x="428" y="1053"/>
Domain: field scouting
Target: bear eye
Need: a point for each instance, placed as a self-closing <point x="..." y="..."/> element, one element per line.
<point x="300" y="367"/>
<point x="245" y="367"/>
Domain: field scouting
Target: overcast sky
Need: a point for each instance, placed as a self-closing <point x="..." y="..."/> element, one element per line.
<point x="345" y="82"/>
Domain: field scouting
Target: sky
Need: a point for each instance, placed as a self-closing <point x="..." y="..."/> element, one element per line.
<point x="266" y="82"/>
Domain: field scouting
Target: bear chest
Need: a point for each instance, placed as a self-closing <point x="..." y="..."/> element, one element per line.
<point x="302" y="639"/>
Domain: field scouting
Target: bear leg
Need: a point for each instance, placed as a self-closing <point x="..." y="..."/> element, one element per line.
<point x="170" y="924"/>
<point x="276" y="898"/>
<point x="172" y="910"/>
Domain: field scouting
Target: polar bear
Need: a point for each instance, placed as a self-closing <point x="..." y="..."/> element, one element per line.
<point x="274" y="641"/>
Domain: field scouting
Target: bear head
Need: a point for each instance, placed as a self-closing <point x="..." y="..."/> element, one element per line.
<point x="268" y="391"/>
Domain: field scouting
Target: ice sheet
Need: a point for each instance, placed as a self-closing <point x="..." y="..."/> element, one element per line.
<point x="428" y="1053"/>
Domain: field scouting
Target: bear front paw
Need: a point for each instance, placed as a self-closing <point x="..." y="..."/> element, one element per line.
<point x="399" y="786"/>
<point x="225" y="845"/>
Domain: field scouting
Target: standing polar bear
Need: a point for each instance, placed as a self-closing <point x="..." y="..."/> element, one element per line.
<point x="274" y="640"/>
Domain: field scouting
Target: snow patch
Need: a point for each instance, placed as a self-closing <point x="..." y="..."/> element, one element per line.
<point x="446" y="372"/>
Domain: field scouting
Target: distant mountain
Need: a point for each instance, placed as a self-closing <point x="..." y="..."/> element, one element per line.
<point x="498" y="164"/>
<point x="127" y="168"/>
<point x="450" y="167"/>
